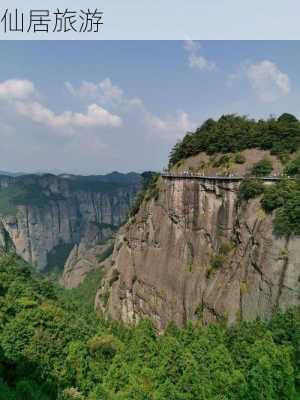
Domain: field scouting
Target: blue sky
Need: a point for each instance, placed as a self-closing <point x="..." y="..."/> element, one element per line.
<point x="93" y="107"/>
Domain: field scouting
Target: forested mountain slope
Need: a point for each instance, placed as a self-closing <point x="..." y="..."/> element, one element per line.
<point x="54" y="347"/>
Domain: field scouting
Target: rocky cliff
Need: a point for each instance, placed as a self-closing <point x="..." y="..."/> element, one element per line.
<point x="85" y="257"/>
<point x="194" y="252"/>
<point x="44" y="217"/>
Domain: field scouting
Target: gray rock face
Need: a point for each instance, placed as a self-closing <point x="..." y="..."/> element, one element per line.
<point x="193" y="253"/>
<point x="57" y="213"/>
<point x="86" y="256"/>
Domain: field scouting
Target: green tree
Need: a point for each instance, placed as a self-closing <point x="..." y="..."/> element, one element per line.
<point x="262" y="168"/>
<point x="249" y="189"/>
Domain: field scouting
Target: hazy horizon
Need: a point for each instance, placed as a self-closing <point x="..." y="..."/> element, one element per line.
<point x="58" y="173"/>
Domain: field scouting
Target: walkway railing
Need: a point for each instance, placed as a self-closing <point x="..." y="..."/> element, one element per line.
<point x="232" y="178"/>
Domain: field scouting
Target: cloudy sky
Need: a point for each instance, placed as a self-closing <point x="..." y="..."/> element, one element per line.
<point x="95" y="107"/>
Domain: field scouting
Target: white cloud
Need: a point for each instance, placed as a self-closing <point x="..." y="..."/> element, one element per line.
<point x="16" y="89"/>
<point x="268" y="81"/>
<point x="95" y="116"/>
<point x="85" y="89"/>
<point x="135" y="102"/>
<point x="70" y="135"/>
<point x="106" y="91"/>
<point x="196" y="59"/>
<point x="110" y="91"/>
<point x="19" y="94"/>
<point x="265" y="78"/>
<point x="170" y="126"/>
<point x="103" y="91"/>
<point x="174" y="126"/>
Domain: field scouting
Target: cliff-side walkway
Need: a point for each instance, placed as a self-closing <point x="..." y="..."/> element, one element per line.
<point x="227" y="178"/>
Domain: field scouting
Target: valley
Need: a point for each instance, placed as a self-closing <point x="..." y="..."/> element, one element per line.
<point x="45" y="216"/>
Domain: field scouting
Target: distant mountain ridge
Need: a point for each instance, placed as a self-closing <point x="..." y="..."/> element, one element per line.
<point x="44" y="216"/>
<point x="111" y="176"/>
<point x="13" y="174"/>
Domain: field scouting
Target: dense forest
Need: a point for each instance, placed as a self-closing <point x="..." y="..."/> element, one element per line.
<point x="232" y="133"/>
<point x="52" y="346"/>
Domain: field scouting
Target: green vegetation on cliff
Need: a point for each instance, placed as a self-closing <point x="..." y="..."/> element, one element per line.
<point x="24" y="195"/>
<point x="250" y="188"/>
<point x="284" y="198"/>
<point x="52" y="348"/>
<point x="233" y="133"/>
<point x="262" y="168"/>
<point x="103" y="183"/>
<point x="293" y="167"/>
<point x="36" y="190"/>
<point x="57" y="258"/>
<point x="83" y="296"/>
<point x="148" y="190"/>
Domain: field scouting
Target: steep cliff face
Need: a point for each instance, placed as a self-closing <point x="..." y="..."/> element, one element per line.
<point x="85" y="257"/>
<point x="194" y="253"/>
<point x="45" y="216"/>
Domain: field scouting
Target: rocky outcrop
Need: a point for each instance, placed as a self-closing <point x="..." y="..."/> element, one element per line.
<point x="85" y="257"/>
<point x="193" y="253"/>
<point x="48" y="215"/>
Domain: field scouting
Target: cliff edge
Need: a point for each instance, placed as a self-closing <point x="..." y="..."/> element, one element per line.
<point x="194" y="251"/>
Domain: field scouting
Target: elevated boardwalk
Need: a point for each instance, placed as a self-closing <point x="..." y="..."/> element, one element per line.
<point x="225" y="178"/>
